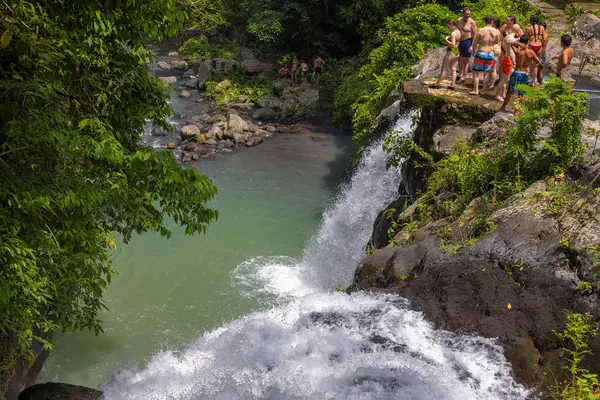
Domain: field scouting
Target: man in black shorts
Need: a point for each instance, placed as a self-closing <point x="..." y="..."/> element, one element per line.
<point x="318" y="69"/>
<point x="468" y="31"/>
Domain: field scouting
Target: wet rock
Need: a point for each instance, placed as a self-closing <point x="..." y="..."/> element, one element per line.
<point x="198" y="120"/>
<point x="254" y="141"/>
<point x="168" y="80"/>
<point x="202" y="74"/>
<point x="159" y="131"/>
<point x="189" y="131"/>
<point x="164" y="65"/>
<point x="270" y="101"/>
<point x="173" y="54"/>
<point x="210" y="142"/>
<point x="185" y="94"/>
<point x="171" y="145"/>
<point x="256" y="66"/>
<point x="265" y="114"/>
<point x="246" y="54"/>
<point x="215" y="132"/>
<point x="271" y="129"/>
<point x="299" y="101"/>
<point x="388" y="116"/>
<point x="193" y="84"/>
<point x="319" y="138"/>
<point x="59" y="391"/>
<point x="446" y="138"/>
<point x="383" y="222"/>
<point x="225" y="144"/>
<point x="179" y="64"/>
<point x="186" y="157"/>
<point x="189" y="73"/>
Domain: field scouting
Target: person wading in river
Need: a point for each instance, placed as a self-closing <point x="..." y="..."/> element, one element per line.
<point x="451" y="56"/>
<point x="485" y="41"/>
<point x="468" y="30"/>
<point x="524" y="59"/>
<point x="538" y="40"/>
<point x="317" y="69"/>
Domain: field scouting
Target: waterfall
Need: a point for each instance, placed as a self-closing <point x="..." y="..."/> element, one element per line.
<point x="315" y="343"/>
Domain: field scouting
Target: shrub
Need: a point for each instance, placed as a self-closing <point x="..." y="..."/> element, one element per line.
<point x="580" y="383"/>
<point x="574" y="11"/>
<point x="238" y="84"/>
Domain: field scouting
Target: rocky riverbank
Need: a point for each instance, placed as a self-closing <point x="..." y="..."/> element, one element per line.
<point x="204" y="128"/>
<point x="505" y="270"/>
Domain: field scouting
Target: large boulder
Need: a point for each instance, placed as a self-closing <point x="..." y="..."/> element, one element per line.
<point x="60" y="391"/>
<point x="299" y="101"/>
<point x="168" y="80"/>
<point x="281" y="84"/>
<point x="270" y="101"/>
<point x="202" y="74"/>
<point x="256" y="66"/>
<point x="246" y="54"/>
<point x="430" y="64"/>
<point x="189" y="131"/>
<point x="265" y="114"/>
<point x="164" y="65"/>
<point x="236" y="128"/>
<point x="587" y="27"/>
<point x="220" y="64"/>
<point x="215" y="132"/>
<point x="180" y="65"/>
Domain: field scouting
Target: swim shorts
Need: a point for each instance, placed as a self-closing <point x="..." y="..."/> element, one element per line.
<point x="507" y="65"/>
<point x="318" y="70"/>
<point x="464" y="46"/>
<point x="483" y="61"/>
<point x="517" y="78"/>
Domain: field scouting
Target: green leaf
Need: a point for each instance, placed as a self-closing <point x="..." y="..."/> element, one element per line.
<point x="5" y="39"/>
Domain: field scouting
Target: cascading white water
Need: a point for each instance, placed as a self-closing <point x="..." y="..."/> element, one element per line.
<point x="317" y="343"/>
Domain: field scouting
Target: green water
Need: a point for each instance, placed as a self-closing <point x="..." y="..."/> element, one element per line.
<point x="168" y="292"/>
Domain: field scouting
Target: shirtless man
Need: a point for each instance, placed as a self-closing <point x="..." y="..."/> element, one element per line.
<point x="486" y="39"/>
<point x="508" y="62"/>
<point x="537" y="42"/>
<point x="524" y="59"/>
<point x="318" y="69"/>
<point x="468" y="30"/>
<point x="284" y="72"/>
<point x="563" y="69"/>
<point x="295" y="70"/>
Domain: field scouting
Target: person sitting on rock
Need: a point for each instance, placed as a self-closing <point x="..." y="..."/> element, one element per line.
<point x="317" y="69"/>
<point x="295" y="70"/>
<point x="284" y="72"/>
<point x="451" y="56"/>
<point x="525" y="59"/>
<point x="304" y="71"/>
<point x="563" y="69"/>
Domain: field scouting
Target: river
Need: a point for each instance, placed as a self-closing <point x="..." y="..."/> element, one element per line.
<point x="256" y="301"/>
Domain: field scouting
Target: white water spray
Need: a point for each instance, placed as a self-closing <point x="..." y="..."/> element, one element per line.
<point x="320" y="344"/>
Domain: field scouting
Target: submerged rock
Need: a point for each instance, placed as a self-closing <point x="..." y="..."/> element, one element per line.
<point x="60" y="391"/>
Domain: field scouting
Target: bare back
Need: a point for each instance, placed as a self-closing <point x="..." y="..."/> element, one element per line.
<point x="487" y="38"/>
<point x="319" y="62"/>
<point x="537" y="35"/>
<point x="525" y="59"/>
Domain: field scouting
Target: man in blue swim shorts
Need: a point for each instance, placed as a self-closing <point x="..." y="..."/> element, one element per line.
<point x="525" y="58"/>
<point x="485" y="41"/>
<point x="468" y="30"/>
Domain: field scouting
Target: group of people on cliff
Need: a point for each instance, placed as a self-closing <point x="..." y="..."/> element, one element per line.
<point x="505" y="55"/>
<point x="299" y="71"/>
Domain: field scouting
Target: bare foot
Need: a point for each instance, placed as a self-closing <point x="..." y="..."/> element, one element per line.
<point x="499" y="98"/>
<point x="474" y="93"/>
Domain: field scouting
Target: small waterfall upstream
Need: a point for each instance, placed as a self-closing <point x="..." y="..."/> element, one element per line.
<point x="316" y="343"/>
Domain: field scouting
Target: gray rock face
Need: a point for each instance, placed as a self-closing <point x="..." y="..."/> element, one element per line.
<point x="265" y="114"/>
<point x="430" y="64"/>
<point x="388" y="116"/>
<point x="587" y="27"/>
<point x="60" y="391"/>
<point x="280" y="85"/>
<point x="256" y="66"/>
<point x="254" y="141"/>
<point x="270" y="101"/>
<point x="203" y="74"/>
<point x="220" y="64"/>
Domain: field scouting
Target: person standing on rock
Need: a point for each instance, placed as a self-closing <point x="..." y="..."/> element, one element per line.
<point x="511" y="26"/>
<point x="524" y="60"/>
<point x="451" y="56"/>
<point x="563" y="69"/>
<point x="508" y="62"/>
<point x="484" y="44"/>
<point x="304" y="71"/>
<point x="317" y="70"/>
<point x="538" y="40"/>
<point x="295" y="70"/>
<point x="468" y="30"/>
